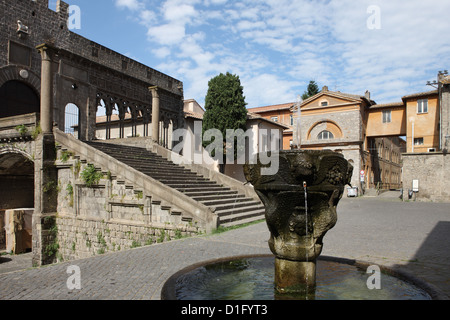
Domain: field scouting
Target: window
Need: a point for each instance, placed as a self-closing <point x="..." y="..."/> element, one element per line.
<point x="387" y="116"/>
<point x="325" y="135"/>
<point x="274" y="119"/>
<point x="422" y="106"/>
<point x="72" y="117"/>
<point x="324" y="104"/>
<point x="418" y="141"/>
<point x="292" y="120"/>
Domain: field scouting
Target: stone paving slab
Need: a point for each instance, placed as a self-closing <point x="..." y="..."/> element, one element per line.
<point x="413" y="237"/>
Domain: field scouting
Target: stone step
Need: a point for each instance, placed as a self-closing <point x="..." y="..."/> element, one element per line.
<point x="203" y="189"/>
<point x="241" y="218"/>
<point x="232" y="208"/>
<point x="165" y="171"/>
<point x="155" y="168"/>
<point x="237" y="207"/>
<point x="167" y="177"/>
<point x="210" y="193"/>
<point x="238" y="210"/>
<point x="192" y="184"/>
<point x="227" y="201"/>
<point x="202" y="197"/>
<point x="178" y="179"/>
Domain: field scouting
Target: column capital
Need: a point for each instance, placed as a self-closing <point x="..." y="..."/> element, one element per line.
<point x="154" y="90"/>
<point x="47" y="51"/>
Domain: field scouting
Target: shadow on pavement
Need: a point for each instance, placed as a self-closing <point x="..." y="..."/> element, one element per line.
<point x="432" y="260"/>
<point x="5" y="260"/>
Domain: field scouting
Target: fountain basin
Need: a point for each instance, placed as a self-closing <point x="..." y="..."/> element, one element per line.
<point x="253" y="278"/>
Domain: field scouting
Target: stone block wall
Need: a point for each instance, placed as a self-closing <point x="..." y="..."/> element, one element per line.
<point x="80" y="238"/>
<point x="109" y="216"/>
<point x="350" y="122"/>
<point x="432" y="170"/>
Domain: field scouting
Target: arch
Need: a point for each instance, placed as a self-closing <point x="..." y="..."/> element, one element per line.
<point x="324" y="125"/>
<point x="18" y="98"/>
<point x="22" y="74"/>
<point x="17" y="181"/>
<point x="72" y="120"/>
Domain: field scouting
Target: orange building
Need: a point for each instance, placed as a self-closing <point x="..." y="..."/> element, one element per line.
<point x="352" y="125"/>
<point x="422" y="121"/>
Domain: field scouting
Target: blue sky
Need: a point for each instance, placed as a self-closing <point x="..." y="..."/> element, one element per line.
<point x="389" y="47"/>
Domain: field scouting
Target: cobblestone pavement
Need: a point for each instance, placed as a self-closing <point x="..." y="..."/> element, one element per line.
<point x="414" y="237"/>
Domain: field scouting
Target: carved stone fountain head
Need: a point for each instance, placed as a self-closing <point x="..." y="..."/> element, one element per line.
<point x="300" y="201"/>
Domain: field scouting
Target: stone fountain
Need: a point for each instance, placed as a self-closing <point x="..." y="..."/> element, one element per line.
<point x="300" y="200"/>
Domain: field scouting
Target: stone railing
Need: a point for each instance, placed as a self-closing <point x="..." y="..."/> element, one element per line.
<point x="201" y="213"/>
<point x="207" y="171"/>
<point x="19" y="127"/>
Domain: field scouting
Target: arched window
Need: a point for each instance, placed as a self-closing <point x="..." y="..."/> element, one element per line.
<point x="325" y="135"/>
<point x="71" y="123"/>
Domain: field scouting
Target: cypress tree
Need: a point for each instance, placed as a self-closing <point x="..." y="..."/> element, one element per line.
<point x="225" y="107"/>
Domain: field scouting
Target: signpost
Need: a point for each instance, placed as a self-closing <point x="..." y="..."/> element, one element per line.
<point x="363" y="175"/>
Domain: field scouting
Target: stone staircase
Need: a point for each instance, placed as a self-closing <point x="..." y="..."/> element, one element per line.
<point x="232" y="207"/>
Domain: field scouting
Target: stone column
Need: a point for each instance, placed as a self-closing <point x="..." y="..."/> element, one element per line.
<point x="46" y="88"/>
<point x="46" y="175"/>
<point x="155" y="114"/>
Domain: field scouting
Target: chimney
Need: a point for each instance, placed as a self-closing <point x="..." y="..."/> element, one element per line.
<point x="367" y="95"/>
<point x="325" y="89"/>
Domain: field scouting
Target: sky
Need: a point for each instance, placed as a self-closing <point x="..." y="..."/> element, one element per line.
<point x="389" y="47"/>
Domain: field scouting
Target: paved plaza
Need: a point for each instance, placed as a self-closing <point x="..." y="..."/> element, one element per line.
<point x="412" y="237"/>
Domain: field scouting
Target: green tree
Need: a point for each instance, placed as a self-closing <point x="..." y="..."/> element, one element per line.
<point x="225" y="108"/>
<point x="311" y="91"/>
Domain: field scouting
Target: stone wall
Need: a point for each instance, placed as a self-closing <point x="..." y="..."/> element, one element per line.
<point x="109" y="216"/>
<point x="350" y="122"/>
<point x="49" y="26"/>
<point x="82" y="69"/>
<point x="2" y="230"/>
<point x="432" y="170"/>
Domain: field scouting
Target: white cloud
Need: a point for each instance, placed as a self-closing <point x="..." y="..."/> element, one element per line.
<point x="129" y="4"/>
<point x="167" y="34"/>
<point x="277" y="46"/>
<point x="161" y="52"/>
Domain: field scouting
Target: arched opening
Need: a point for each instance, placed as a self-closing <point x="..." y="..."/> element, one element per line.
<point x="72" y="120"/>
<point x="17" y="98"/>
<point x="16" y="202"/>
<point x="325" y="130"/>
